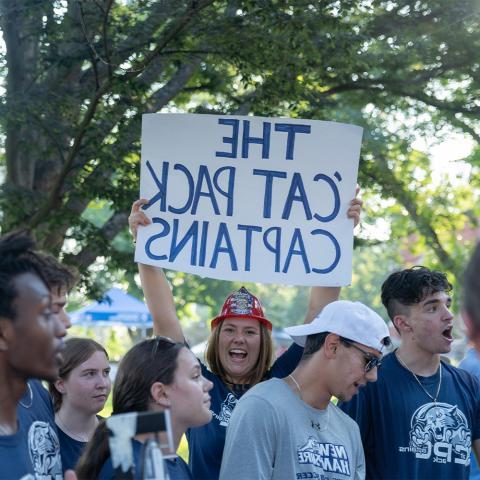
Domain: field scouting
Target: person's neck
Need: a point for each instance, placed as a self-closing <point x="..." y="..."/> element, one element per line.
<point x="11" y="392"/>
<point x="418" y="361"/>
<point x="76" y="422"/>
<point x="306" y="384"/>
<point x="236" y="380"/>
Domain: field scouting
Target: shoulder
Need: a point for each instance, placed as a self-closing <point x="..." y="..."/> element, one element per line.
<point x="343" y="417"/>
<point x="107" y="472"/>
<point x="461" y="376"/>
<point x="389" y="362"/>
<point x="387" y="372"/>
<point x="294" y="352"/>
<point x="269" y="390"/>
<point x="40" y="394"/>
<point x="208" y="374"/>
<point x="178" y="469"/>
<point x="266" y="396"/>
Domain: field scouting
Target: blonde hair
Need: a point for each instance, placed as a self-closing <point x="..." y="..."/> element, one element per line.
<point x="258" y="372"/>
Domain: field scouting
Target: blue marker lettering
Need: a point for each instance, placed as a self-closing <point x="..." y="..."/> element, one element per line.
<point x="291" y="129"/>
<point x="264" y="141"/>
<point x="297" y="238"/>
<point x="248" y="242"/>
<point x="223" y="235"/>
<point x="267" y="198"/>
<point x="163" y="233"/>
<point x="337" y="251"/>
<point x="233" y="140"/>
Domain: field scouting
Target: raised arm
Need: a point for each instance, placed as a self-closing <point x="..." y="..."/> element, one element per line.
<point x="156" y="288"/>
<point x="322" y="296"/>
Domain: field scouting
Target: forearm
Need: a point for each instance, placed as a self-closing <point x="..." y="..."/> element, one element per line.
<point x="159" y="298"/>
<point x="319" y="298"/>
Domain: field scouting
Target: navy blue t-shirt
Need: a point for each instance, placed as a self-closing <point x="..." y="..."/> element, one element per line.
<point x="206" y="443"/>
<point x="70" y="449"/>
<point x="471" y="363"/>
<point x="177" y="469"/>
<point x="15" y="463"/>
<point x="37" y="418"/>
<point x="405" y="434"/>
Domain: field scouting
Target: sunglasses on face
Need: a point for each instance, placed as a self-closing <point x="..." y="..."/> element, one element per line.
<point x="371" y="361"/>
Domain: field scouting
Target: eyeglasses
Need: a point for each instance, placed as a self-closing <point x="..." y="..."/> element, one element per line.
<point x="167" y="340"/>
<point x="371" y="361"/>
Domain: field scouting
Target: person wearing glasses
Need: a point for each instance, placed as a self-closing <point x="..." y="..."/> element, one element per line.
<point x="155" y="375"/>
<point x="421" y="419"/>
<point x="239" y="352"/>
<point x="289" y="428"/>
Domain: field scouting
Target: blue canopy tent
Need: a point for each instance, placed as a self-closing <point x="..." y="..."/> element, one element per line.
<point x="116" y="308"/>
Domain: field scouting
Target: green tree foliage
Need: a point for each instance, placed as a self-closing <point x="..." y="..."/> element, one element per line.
<point x="78" y="75"/>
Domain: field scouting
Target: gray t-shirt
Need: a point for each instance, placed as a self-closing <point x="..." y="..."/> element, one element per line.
<point x="273" y="434"/>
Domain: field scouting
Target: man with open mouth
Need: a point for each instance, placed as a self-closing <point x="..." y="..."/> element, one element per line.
<point x="421" y="419"/>
<point x="30" y="347"/>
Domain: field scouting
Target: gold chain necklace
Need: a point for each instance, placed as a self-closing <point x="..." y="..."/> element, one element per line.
<point x="313" y="423"/>
<point x="434" y="398"/>
<point x="297" y="385"/>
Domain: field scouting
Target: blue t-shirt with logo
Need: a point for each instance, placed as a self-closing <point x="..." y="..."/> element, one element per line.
<point x="37" y="418"/>
<point x="471" y="363"/>
<point x="206" y="443"/>
<point x="176" y="467"/>
<point x="405" y="434"/>
<point x="15" y="462"/>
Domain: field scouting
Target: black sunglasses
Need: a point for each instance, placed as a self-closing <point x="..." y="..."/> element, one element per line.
<point x="158" y="338"/>
<point x="371" y="361"/>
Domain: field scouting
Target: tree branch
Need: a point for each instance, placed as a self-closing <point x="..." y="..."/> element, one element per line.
<point x="395" y="188"/>
<point x="94" y="248"/>
<point x="138" y="67"/>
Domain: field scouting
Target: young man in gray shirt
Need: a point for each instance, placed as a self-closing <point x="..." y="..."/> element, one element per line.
<point x="287" y="429"/>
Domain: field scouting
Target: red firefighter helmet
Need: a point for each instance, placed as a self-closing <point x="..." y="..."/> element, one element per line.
<point x="242" y="304"/>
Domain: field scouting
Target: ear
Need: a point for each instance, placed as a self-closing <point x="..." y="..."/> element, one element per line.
<point x="402" y="323"/>
<point x="59" y="385"/>
<point x="159" y="393"/>
<point x="332" y="342"/>
<point x="6" y="329"/>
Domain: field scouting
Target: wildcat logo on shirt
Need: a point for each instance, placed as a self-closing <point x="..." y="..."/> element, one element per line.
<point x="328" y="456"/>
<point x="226" y="409"/>
<point x="440" y="431"/>
<point x="44" y="450"/>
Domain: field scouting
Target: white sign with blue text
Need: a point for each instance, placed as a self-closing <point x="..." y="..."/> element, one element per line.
<point x="249" y="198"/>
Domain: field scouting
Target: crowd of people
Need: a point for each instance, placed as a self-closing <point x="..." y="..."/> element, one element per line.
<point x="245" y="414"/>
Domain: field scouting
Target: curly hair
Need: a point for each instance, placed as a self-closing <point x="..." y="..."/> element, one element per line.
<point x="17" y="256"/>
<point x="410" y="286"/>
<point x="58" y="275"/>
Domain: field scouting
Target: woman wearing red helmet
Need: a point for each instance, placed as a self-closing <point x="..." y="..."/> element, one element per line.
<point x="239" y="352"/>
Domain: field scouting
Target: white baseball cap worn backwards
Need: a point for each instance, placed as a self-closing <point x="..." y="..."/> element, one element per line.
<point x="351" y="320"/>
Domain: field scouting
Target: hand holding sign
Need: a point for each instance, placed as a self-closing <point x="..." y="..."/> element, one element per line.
<point x="226" y="204"/>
